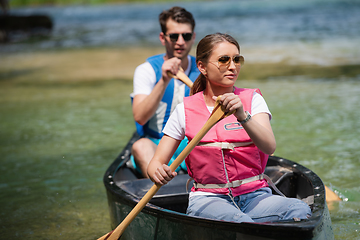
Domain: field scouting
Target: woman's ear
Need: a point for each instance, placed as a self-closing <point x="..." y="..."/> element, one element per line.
<point x="201" y="67"/>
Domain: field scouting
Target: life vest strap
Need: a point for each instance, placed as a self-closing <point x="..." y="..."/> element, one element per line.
<point x="238" y="183"/>
<point x="232" y="184"/>
<point x="224" y="145"/>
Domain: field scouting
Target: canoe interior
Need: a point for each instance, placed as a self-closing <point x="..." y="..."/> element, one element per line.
<point x="125" y="189"/>
<point x="174" y="196"/>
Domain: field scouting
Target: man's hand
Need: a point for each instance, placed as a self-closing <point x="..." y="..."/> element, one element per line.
<point x="171" y="65"/>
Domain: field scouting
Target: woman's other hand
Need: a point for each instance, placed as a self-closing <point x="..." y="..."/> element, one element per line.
<point x="163" y="175"/>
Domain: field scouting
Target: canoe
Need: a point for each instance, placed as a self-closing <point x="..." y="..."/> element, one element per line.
<point x="164" y="217"/>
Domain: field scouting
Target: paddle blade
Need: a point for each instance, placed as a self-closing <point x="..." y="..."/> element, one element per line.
<point x="330" y="195"/>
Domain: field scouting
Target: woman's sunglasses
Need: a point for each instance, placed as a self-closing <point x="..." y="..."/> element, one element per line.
<point x="224" y="61"/>
<point x="175" y="36"/>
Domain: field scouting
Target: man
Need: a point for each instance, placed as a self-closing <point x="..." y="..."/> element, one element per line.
<point x="156" y="94"/>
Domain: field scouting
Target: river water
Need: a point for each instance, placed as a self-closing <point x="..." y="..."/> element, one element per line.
<point x="330" y="26"/>
<point x="57" y="139"/>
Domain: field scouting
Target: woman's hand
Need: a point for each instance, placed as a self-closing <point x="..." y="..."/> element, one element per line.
<point x="232" y="102"/>
<point x="163" y="175"/>
<point x="158" y="170"/>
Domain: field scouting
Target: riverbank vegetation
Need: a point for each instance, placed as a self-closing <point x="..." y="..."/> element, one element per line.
<point x="120" y="63"/>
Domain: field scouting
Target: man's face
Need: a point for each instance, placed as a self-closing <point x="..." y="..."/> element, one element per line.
<point x="179" y="48"/>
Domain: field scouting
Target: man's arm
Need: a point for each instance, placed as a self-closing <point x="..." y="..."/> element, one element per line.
<point x="144" y="106"/>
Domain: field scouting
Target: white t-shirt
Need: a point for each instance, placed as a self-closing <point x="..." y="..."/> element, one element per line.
<point x="175" y="126"/>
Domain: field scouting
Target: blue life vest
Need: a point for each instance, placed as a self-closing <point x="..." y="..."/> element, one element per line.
<point x="165" y="104"/>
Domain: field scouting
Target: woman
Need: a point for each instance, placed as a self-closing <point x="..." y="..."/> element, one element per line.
<point x="228" y="163"/>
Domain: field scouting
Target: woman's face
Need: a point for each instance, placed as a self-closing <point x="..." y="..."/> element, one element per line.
<point x="223" y="75"/>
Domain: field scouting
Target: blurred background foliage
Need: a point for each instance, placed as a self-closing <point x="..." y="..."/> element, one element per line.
<point x="22" y="3"/>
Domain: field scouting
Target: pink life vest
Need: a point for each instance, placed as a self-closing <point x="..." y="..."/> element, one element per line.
<point x="213" y="165"/>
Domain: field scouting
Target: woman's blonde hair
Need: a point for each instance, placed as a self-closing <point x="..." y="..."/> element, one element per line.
<point x="203" y="52"/>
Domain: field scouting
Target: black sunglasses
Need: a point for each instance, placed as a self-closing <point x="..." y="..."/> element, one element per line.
<point x="175" y="36"/>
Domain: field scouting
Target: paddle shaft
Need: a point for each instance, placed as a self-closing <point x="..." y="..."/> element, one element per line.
<point x="182" y="77"/>
<point x="215" y="116"/>
<point x="119" y="230"/>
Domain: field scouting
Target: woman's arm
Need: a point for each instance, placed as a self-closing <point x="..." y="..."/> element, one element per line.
<point x="158" y="170"/>
<point x="259" y="130"/>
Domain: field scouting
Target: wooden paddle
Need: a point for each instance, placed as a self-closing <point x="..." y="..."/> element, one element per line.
<point x="182" y="77"/>
<point x="217" y="114"/>
<point x="330" y="195"/>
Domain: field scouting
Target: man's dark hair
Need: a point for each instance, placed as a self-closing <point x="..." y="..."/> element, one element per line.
<point x="178" y="14"/>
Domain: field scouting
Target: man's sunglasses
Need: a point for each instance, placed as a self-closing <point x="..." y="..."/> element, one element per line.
<point x="224" y="61"/>
<point x="175" y="36"/>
